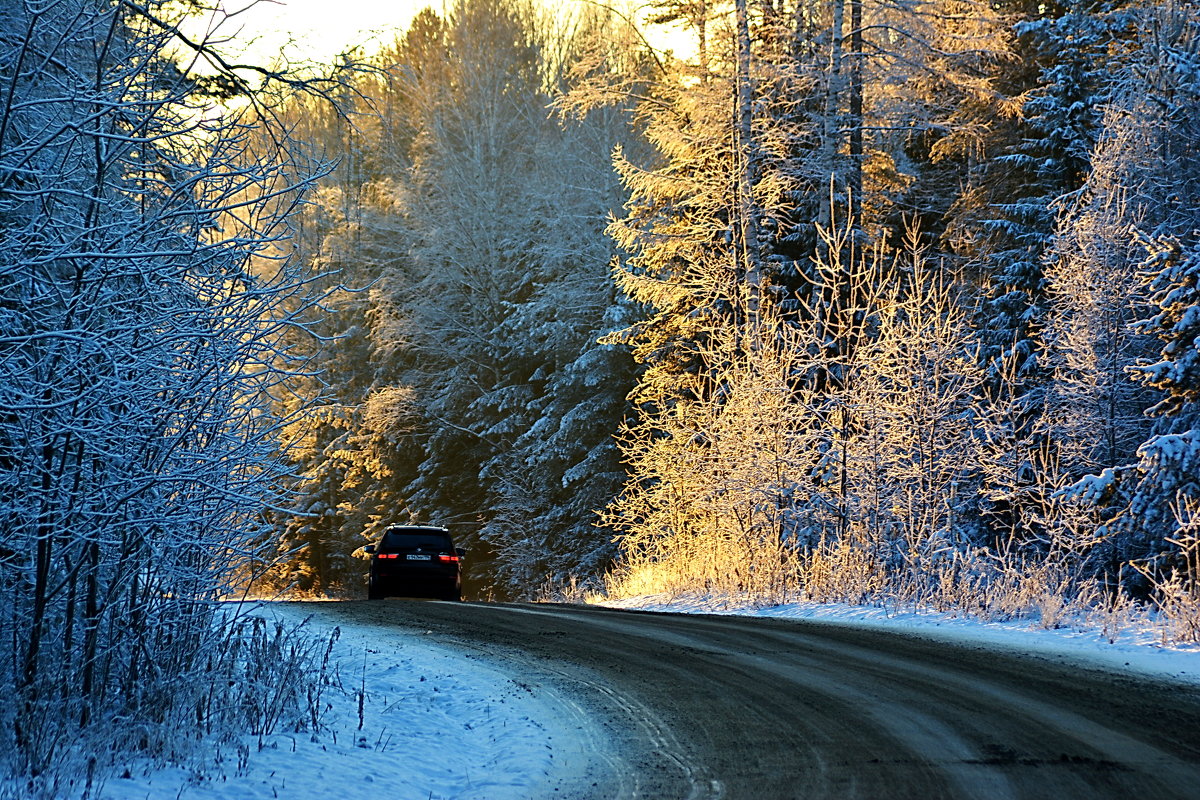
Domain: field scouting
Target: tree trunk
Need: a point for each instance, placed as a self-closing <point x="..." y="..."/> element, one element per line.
<point x="749" y="255"/>
<point x="855" y="121"/>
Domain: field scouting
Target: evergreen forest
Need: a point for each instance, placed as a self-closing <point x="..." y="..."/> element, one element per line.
<point x="851" y="300"/>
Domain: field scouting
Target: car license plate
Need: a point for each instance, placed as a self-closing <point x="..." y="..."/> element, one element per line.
<point x="413" y="557"/>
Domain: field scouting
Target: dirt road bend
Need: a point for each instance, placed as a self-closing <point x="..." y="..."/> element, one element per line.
<point x="729" y="707"/>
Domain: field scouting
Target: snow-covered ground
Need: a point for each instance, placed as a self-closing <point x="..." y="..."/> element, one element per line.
<point x="438" y="723"/>
<point x="435" y="724"/>
<point x="1135" y="649"/>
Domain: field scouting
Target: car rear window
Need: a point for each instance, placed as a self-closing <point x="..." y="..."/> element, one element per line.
<point x="405" y="540"/>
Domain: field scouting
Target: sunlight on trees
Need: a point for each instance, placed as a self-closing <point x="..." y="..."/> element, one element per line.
<point x="460" y="378"/>
<point x="945" y="446"/>
<point x="883" y="302"/>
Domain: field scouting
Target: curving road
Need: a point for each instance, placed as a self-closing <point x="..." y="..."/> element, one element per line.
<point x="729" y="707"/>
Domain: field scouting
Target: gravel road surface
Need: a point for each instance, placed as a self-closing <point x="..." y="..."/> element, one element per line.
<point x="686" y="706"/>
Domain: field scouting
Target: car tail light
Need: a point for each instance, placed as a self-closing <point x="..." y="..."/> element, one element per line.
<point x="389" y="555"/>
<point x="447" y="558"/>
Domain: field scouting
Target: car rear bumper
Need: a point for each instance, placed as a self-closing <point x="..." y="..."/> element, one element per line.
<point x="421" y="582"/>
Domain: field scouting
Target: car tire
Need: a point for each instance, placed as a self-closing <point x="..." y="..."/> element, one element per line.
<point x="374" y="593"/>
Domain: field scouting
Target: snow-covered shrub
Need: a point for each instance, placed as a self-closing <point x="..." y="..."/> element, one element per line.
<point x="840" y="571"/>
<point x="142" y="300"/>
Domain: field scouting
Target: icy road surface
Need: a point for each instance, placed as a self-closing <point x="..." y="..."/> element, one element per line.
<point x="736" y="707"/>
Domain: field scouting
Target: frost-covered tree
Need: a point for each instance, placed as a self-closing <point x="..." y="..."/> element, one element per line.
<point x="507" y="292"/>
<point x="702" y="235"/>
<point x="1094" y="411"/>
<point x="712" y="214"/>
<point x="1005" y="224"/>
<point x="1048" y="160"/>
<point x="914" y="448"/>
<point x="142" y="307"/>
<point x="465" y="386"/>
<point x="729" y="212"/>
<point x="1165" y="477"/>
<point x="719" y="487"/>
<point x="353" y="447"/>
<point x="1151" y="131"/>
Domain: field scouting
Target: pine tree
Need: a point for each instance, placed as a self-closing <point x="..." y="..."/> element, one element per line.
<point x="1046" y="161"/>
<point x="1153" y="126"/>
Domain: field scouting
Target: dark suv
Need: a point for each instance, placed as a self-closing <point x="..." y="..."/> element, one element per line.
<point x="415" y="561"/>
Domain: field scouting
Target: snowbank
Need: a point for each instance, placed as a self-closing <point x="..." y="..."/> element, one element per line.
<point x="435" y="724"/>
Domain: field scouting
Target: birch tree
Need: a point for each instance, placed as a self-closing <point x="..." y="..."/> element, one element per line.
<point x="719" y="489"/>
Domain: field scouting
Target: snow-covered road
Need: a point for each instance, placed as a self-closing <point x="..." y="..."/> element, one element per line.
<point x="532" y="701"/>
<point x="702" y="706"/>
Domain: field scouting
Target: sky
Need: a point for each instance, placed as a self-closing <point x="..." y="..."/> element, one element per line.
<point x="318" y="30"/>
<point x="312" y="30"/>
